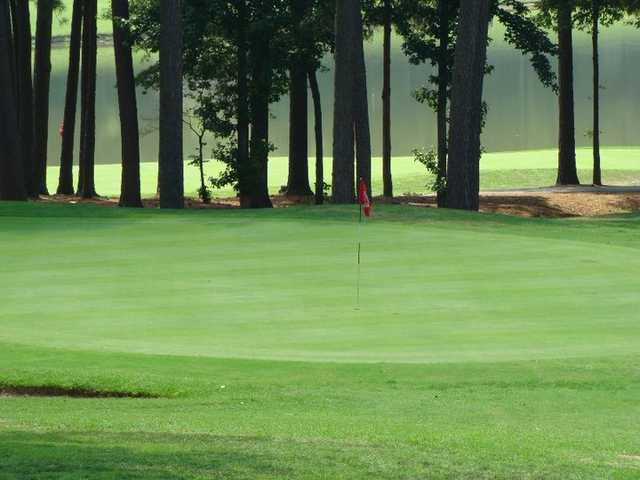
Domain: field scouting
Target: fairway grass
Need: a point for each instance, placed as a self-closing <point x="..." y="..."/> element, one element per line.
<point x="501" y="170"/>
<point x="483" y="347"/>
<point x="61" y="26"/>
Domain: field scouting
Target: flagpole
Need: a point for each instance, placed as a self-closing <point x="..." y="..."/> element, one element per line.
<point x="359" y="258"/>
<point x="365" y="208"/>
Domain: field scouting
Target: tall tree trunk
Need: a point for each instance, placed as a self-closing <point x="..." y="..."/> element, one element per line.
<point x="595" y="33"/>
<point x="361" y="102"/>
<point x="466" y="106"/>
<point x="171" y="105"/>
<point x="12" y="185"/>
<point x="387" y="179"/>
<point x="567" y="170"/>
<point x="22" y="34"/>
<point x="41" y="81"/>
<point x="129" y="131"/>
<point x="351" y="110"/>
<point x="259" y="101"/>
<point x="86" y="179"/>
<point x="317" y="113"/>
<point x="65" y="181"/>
<point x="298" y="182"/>
<point x="343" y="187"/>
<point x="243" y="160"/>
<point x="443" y="85"/>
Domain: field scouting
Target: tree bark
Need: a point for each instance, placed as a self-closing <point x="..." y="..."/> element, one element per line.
<point x="317" y="112"/>
<point x="387" y="179"/>
<point x="361" y="102"/>
<point x="22" y="35"/>
<point x="12" y="185"/>
<point x="171" y="105"/>
<point x="129" y="131"/>
<point x="86" y="179"/>
<point x="443" y="85"/>
<point x="41" y="83"/>
<point x="343" y="188"/>
<point x="351" y="109"/>
<point x="595" y="33"/>
<point x="243" y="160"/>
<point x="466" y="106"/>
<point x="298" y="182"/>
<point x="567" y="170"/>
<point x="259" y="106"/>
<point x="65" y="181"/>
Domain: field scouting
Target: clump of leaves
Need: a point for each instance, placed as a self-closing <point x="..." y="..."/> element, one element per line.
<point x="204" y="193"/>
<point x="429" y="159"/>
<point x="226" y="152"/>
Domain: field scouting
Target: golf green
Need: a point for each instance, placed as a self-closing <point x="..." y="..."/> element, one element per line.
<point x="483" y="346"/>
<point x="282" y="285"/>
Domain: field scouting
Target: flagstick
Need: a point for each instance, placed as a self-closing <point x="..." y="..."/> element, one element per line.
<point x="359" y="258"/>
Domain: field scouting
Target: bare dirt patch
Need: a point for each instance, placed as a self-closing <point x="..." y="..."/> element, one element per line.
<point x="549" y="202"/>
<point x="190" y="203"/>
<point x="57" y="391"/>
<point x="147" y="202"/>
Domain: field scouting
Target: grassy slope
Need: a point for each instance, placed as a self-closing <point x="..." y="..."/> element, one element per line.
<point x="509" y="346"/>
<point x="499" y="170"/>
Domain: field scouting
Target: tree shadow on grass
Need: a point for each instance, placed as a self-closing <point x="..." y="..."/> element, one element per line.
<point x="27" y="455"/>
<point x="518" y="205"/>
<point x="630" y="203"/>
<point x="523" y="206"/>
<point x="72" y="392"/>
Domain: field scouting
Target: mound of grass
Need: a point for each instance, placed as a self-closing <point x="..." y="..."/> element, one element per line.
<point x="484" y="346"/>
<point x="282" y="285"/>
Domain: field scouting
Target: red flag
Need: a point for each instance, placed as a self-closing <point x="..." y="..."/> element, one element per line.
<point x="363" y="197"/>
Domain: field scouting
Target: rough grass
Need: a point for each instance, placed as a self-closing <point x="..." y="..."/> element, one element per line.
<point x="255" y="419"/>
<point x="499" y="171"/>
<point x="484" y="347"/>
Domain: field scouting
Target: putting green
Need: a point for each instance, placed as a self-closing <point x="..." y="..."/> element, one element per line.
<point x="435" y="287"/>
